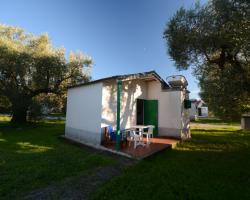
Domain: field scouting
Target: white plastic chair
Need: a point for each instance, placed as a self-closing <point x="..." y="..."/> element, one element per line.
<point x="136" y="137"/>
<point x="149" y="133"/>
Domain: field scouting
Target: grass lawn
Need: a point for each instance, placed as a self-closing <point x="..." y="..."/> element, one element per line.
<point x="215" y="164"/>
<point x="32" y="156"/>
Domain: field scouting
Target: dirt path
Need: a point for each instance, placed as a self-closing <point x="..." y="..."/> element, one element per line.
<point x="200" y="125"/>
<point x="80" y="187"/>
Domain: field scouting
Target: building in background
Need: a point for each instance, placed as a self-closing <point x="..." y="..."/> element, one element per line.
<point x="198" y="109"/>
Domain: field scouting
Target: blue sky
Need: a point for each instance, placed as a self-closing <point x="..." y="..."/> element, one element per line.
<point x="122" y="36"/>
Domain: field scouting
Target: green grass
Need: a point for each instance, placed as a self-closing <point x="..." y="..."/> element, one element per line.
<point x="215" y="164"/>
<point x="32" y="156"/>
<point x="5" y="118"/>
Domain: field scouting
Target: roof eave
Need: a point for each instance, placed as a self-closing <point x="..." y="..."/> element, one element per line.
<point x="122" y="77"/>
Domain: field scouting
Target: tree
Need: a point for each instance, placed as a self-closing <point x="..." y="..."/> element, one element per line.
<point x="214" y="40"/>
<point x="30" y="65"/>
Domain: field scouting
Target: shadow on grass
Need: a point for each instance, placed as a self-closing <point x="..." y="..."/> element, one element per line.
<point x="212" y="165"/>
<point x="32" y="156"/>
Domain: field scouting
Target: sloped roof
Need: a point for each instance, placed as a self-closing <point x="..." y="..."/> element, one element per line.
<point x="127" y="76"/>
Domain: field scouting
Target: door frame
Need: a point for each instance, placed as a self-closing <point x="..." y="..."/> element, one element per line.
<point x="144" y="112"/>
<point x="142" y="100"/>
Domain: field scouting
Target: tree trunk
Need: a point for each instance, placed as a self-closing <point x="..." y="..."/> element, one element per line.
<point x="19" y="114"/>
<point x="20" y="105"/>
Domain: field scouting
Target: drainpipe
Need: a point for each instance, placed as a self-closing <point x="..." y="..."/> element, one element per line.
<point x="118" y="132"/>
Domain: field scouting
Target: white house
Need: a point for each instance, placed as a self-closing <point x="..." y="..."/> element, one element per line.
<point x="145" y="99"/>
<point x="202" y="109"/>
<point x="198" y="109"/>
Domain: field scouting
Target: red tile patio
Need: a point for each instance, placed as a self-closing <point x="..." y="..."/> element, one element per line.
<point x="156" y="145"/>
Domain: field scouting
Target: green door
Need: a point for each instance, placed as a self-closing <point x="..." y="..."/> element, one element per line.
<point x="151" y="114"/>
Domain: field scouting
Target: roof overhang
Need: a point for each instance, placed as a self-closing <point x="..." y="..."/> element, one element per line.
<point x="146" y="76"/>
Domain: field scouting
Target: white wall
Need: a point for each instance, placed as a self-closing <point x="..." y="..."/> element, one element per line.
<point x="170" y="121"/>
<point x="91" y="107"/>
<point x="193" y="110"/>
<point x="204" y="111"/>
<point x="83" y="117"/>
<point x="169" y="109"/>
<point x="131" y="90"/>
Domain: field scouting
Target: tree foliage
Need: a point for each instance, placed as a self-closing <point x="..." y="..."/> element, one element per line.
<point x="215" y="40"/>
<point x="30" y="66"/>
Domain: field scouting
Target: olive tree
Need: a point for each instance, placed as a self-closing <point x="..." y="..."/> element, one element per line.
<point x="30" y="65"/>
<point x="214" y="39"/>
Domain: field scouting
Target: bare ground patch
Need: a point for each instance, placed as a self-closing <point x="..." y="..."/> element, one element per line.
<point x="201" y="125"/>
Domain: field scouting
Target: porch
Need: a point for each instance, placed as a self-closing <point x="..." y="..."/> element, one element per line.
<point x="157" y="144"/>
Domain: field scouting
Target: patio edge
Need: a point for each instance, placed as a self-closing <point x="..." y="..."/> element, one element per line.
<point x="97" y="147"/>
